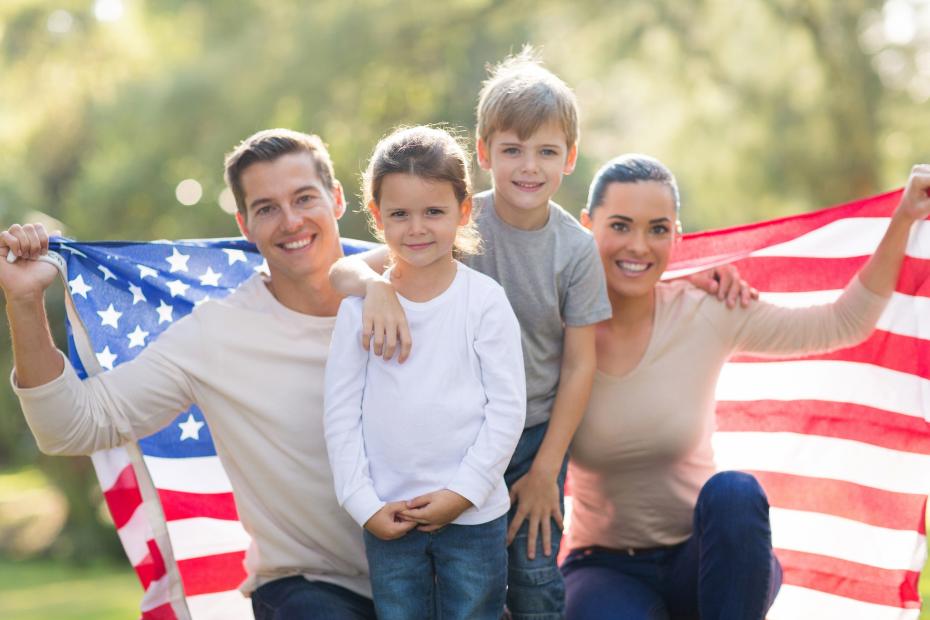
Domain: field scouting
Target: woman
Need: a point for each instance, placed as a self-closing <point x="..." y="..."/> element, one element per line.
<point x="655" y="533"/>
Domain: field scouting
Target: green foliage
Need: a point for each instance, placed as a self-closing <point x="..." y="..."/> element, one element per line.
<point x="762" y="108"/>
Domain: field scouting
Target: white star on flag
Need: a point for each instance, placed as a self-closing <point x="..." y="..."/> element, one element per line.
<point x="107" y="274"/>
<point x="137" y="295"/>
<point x="177" y="287"/>
<point x="164" y="312"/>
<point x="106" y="358"/>
<point x="110" y="316"/>
<point x="145" y="272"/>
<point x="205" y="299"/>
<point x="79" y="287"/>
<point x="263" y="268"/>
<point x="210" y="278"/>
<point x="137" y="337"/>
<point x="177" y="261"/>
<point x="235" y="256"/>
<point x="190" y="428"/>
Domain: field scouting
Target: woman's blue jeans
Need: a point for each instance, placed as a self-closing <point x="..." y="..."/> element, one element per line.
<point x="725" y="571"/>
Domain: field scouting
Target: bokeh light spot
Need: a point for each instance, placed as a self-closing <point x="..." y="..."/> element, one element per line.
<point x="188" y="192"/>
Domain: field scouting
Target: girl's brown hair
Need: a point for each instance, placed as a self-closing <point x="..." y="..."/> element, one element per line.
<point x="430" y="153"/>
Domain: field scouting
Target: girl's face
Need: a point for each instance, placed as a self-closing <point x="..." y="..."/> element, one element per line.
<point x="419" y="218"/>
<point x="635" y="231"/>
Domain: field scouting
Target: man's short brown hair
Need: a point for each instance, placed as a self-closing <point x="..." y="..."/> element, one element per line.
<point x="521" y="95"/>
<point x="269" y="145"/>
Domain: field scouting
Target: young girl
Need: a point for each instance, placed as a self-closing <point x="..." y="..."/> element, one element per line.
<point x="418" y="450"/>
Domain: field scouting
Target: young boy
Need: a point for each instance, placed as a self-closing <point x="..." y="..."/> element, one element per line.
<point x="549" y="267"/>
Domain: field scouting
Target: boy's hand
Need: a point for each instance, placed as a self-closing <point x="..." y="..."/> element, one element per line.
<point x="725" y="283"/>
<point x="435" y="510"/>
<point x="537" y="499"/>
<point x="27" y="277"/>
<point x="384" y="323"/>
<point x="386" y="524"/>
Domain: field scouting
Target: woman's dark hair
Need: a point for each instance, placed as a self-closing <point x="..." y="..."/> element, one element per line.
<point x="631" y="168"/>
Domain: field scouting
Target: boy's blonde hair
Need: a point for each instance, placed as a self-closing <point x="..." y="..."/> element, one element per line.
<point x="430" y="153"/>
<point x="521" y="95"/>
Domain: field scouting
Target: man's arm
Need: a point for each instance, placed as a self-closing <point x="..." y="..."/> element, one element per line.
<point x="537" y="493"/>
<point x="384" y="324"/>
<point x="37" y="360"/>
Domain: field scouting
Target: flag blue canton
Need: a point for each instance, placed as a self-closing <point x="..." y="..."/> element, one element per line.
<point x="127" y="293"/>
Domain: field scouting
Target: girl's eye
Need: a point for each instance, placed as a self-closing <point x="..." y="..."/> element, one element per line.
<point x="434" y="211"/>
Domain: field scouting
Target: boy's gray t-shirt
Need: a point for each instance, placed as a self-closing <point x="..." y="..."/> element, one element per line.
<point x="553" y="277"/>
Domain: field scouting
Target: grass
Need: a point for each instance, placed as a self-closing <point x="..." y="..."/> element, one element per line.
<point x="38" y="590"/>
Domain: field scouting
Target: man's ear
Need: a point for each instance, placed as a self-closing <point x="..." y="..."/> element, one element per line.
<point x="484" y="154"/>
<point x="585" y="218"/>
<point x="339" y="198"/>
<point x="571" y="160"/>
<point x="243" y="226"/>
<point x="375" y="212"/>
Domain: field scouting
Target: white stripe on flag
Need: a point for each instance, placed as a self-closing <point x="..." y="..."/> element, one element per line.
<point x="109" y="464"/>
<point x="855" y="236"/>
<point x="219" y="606"/>
<point x="175" y="474"/>
<point x="796" y="603"/>
<point x="135" y="535"/>
<point x="829" y="380"/>
<point x="201" y="536"/>
<point x="906" y="315"/>
<point x="823" y="534"/>
<point x="824" y="457"/>
<point x="157" y="594"/>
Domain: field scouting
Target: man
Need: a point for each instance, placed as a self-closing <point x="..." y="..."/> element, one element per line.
<point x="253" y="362"/>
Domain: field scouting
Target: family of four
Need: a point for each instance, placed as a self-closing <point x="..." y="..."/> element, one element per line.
<point x="396" y="425"/>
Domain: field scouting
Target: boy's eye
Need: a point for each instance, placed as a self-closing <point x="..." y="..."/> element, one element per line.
<point x="549" y="152"/>
<point x="399" y="213"/>
<point x="511" y="150"/>
<point x="434" y="211"/>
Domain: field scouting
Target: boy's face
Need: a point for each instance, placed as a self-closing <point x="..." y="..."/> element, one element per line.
<point x="526" y="173"/>
<point x="291" y="216"/>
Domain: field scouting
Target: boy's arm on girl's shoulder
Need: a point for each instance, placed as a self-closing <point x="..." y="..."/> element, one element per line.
<point x="537" y="494"/>
<point x="384" y="323"/>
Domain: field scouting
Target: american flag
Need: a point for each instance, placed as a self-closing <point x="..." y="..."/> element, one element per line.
<point x="840" y="441"/>
<point x="168" y="494"/>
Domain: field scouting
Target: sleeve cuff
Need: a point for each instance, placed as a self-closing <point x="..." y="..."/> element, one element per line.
<point x="45" y="388"/>
<point x="471" y="485"/>
<point x="362" y="504"/>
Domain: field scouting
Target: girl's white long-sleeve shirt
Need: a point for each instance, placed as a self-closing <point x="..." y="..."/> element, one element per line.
<point x="449" y="417"/>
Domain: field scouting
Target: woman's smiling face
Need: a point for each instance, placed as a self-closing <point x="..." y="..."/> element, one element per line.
<point x="634" y="227"/>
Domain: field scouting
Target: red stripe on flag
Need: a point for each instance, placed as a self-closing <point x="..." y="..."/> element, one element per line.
<point x="899" y="511"/>
<point x="123" y="498"/>
<point x="783" y="274"/>
<point x="179" y="505"/>
<point x="894" y="588"/>
<point x="826" y="419"/>
<point x="162" y="612"/>
<point x="212" y="573"/>
<point x="893" y="351"/>
<point x="152" y="566"/>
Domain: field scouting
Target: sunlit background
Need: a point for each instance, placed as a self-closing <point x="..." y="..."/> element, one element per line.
<point x="115" y="116"/>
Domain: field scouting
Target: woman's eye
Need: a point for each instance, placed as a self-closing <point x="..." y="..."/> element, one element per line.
<point x="660" y="230"/>
<point x="619" y="227"/>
